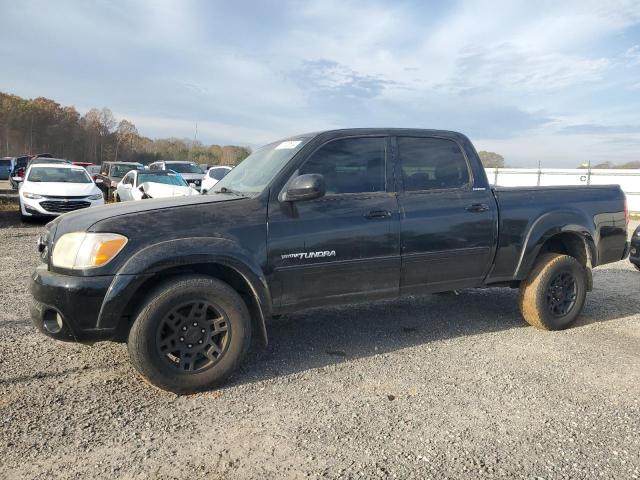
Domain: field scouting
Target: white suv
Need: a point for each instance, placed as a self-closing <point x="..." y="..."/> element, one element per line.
<point x="213" y="176"/>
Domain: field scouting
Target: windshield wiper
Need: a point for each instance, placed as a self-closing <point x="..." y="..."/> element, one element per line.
<point x="228" y="190"/>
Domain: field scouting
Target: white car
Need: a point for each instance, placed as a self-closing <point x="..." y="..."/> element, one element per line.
<point x="140" y="185"/>
<point x="213" y="176"/>
<point x="56" y="188"/>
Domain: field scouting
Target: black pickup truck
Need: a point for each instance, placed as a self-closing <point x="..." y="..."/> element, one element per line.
<point x="326" y="218"/>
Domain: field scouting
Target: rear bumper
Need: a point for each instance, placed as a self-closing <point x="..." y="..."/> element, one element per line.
<point x="66" y="307"/>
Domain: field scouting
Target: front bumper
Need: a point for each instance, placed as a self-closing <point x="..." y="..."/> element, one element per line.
<point x="67" y="307"/>
<point x="37" y="207"/>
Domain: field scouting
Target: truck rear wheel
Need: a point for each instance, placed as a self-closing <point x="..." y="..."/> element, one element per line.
<point x="553" y="295"/>
<point x="191" y="334"/>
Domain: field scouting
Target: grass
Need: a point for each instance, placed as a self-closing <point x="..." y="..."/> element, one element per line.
<point x="8" y="206"/>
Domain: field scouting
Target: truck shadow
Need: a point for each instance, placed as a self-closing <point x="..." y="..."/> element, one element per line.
<point x="322" y="337"/>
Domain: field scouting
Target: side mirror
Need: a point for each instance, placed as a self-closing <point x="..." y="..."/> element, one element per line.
<point x="305" y="187"/>
<point x="127" y="186"/>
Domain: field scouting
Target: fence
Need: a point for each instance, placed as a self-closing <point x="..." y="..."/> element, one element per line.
<point x="628" y="179"/>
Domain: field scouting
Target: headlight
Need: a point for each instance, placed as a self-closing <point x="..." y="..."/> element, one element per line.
<point x="86" y="250"/>
<point x="97" y="196"/>
<point x="33" y="196"/>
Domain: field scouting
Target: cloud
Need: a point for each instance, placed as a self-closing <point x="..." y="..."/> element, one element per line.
<point x="336" y="79"/>
<point x="632" y="54"/>
<point x="504" y="67"/>
<point x="590" y="128"/>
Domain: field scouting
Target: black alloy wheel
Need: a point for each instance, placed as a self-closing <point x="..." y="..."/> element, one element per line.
<point x="561" y="294"/>
<point x="193" y="336"/>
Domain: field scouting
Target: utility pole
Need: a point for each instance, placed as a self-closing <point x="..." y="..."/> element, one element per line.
<point x="31" y="136"/>
<point x="195" y="137"/>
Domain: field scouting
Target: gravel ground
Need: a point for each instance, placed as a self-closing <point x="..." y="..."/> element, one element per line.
<point x="438" y="387"/>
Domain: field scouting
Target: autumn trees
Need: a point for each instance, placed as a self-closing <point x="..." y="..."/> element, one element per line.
<point x="42" y="125"/>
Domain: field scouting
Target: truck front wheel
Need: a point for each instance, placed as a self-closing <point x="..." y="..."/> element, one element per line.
<point x="553" y="295"/>
<point x="190" y="335"/>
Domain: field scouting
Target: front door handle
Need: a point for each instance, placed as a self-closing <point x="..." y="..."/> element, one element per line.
<point x="477" y="207"/>
<point x="377" y="214"/>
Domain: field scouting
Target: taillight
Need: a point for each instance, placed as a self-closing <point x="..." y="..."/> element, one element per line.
<point x="20" y="172"/>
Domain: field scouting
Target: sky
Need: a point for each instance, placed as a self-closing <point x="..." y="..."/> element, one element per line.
<point x="555" y="82"/>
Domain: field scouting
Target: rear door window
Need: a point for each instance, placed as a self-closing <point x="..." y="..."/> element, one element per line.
<point x="432" y="164"/>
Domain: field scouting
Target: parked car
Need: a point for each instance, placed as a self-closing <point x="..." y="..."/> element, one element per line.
<point x="84" y="164"/>
<point x="316" y="220"/>
<point x="142" y="185"/>
<point x="6" y="165"/>
<point x="213" y="176"/>
<point x="111" y="173"/>
<point x="50" y="189"/>
<point x="635" y="249"/>
<point x="190" y="171"/>
<point x="18" y="171"/>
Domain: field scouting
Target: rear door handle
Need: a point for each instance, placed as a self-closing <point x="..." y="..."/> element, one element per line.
<point x="477" y="207"/>
<point x="377" y="214"/>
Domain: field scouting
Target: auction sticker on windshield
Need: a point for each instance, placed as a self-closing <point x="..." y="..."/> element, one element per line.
<point x="289" y="144"/>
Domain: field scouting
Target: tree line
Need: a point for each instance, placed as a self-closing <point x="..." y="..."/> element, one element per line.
<point x="495" y="160"/>
<point x="39" y="125"/>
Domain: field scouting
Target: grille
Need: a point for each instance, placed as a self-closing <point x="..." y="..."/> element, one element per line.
<point x="67" y="197"/>
<point x="56" y="206"/>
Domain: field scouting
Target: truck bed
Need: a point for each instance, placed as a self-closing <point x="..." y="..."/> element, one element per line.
<point x="530" y="215"/>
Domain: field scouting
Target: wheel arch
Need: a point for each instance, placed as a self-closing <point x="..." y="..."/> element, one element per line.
<point x="218" y="258"/>
<point x="565" y="233"/>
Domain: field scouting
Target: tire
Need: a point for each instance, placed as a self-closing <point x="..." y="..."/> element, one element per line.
<point x="116" y="197"/>
<point x="167" y="352"/>
<point x="553" y="295"/>
<point x="637" y="266"/>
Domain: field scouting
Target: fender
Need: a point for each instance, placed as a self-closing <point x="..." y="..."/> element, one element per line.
<point x="161" y="256"/>
<point x="550" y="224"/>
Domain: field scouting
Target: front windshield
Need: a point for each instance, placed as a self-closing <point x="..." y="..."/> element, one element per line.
<point x="184" y="167"/>
<point x="58" y="174"/>
<point x="170" y="179"/>
<point x="122" y="170"/>
<point x="256" y="171"/>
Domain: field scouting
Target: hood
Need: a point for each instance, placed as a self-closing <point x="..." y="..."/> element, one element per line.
<point x="60" y="189"/>
<point x="82" y="220"/>
<point x="162" y="190"/>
